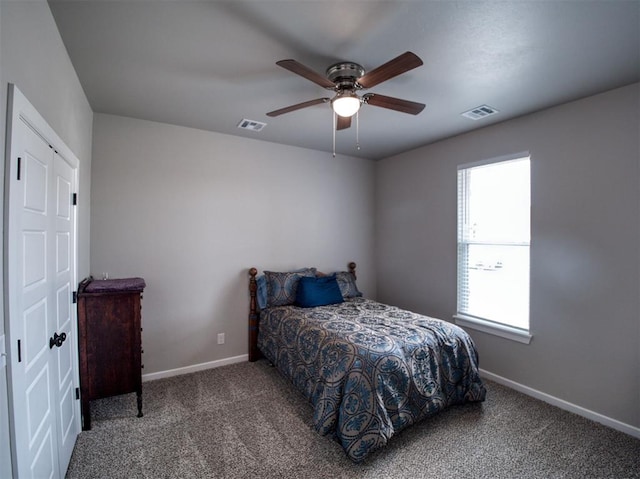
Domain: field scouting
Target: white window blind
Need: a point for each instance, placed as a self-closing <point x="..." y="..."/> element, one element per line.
<point x="494" y="210"/>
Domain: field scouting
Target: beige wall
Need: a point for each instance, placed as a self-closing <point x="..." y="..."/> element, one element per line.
<point x="191" y="211"/>
<point x="33" y="57"/>
<point x="585" y="246"/>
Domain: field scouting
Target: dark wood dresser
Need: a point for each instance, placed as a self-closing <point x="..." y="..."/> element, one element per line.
<point x="109" y="335"/>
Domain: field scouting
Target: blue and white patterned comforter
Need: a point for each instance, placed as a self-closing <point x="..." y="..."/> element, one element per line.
<point x="370" y="369"/>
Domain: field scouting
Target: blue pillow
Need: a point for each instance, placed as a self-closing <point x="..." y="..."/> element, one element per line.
<point x="347" y="284"/>
<point x="318" y="292"/>
<point x="261" y="295"/>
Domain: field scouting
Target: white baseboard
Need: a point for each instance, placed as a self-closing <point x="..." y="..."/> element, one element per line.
<point x="562" y="404"/>
<point x="195" y="368"/>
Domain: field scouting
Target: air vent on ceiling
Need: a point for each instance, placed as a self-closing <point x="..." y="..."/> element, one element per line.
<point x="251" y="125"/>
<point x="481" y="111"/>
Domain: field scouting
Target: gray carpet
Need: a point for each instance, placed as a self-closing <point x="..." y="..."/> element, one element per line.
<point x="246" y="421"/>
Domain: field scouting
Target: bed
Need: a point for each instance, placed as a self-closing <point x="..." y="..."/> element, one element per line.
<point x="369" y="369"/>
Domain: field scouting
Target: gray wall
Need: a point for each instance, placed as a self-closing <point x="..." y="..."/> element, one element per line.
<point x="191" y="211"/>
<point x="585" y="246"/>
<point x="33" y="57"/>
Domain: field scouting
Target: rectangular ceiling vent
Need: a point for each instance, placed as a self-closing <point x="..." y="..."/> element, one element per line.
<point x="479" y="112"/>
<point x="251" y="125"/>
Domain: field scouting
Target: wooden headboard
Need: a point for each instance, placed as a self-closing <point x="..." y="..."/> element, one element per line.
<point x="254" y="314"/>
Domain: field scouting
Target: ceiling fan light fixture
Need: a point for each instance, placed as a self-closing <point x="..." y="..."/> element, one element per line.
<point x="346" y="104"/>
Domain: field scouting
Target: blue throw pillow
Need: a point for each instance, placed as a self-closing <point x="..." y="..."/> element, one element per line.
<point x="318" y="292"/>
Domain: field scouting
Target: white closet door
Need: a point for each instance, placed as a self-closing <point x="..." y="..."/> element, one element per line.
<point x="40" y="222"/>
<point x="65" y="356"/>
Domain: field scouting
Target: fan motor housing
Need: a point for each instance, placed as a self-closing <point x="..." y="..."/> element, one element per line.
<point x="345" y="74"/>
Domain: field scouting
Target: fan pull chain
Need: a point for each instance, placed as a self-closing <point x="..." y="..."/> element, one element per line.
<point x="358" y="130"/>
<point x="334" y="134"/>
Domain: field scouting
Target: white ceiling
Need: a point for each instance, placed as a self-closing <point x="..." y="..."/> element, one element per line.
<point x="209" y="64"/>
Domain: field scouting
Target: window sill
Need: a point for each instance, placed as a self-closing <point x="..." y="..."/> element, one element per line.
<point x="503" y="331"/>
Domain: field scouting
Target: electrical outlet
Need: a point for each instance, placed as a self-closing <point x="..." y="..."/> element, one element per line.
<point x="220" y="338"/>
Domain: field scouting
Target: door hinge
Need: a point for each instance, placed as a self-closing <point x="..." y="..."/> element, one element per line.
<point x="3" y="353"/>
<point x="19" y="167"/>
<point x="74" y="297"/>
<point x="74" y="199"/>
<point x="77" y="393"/>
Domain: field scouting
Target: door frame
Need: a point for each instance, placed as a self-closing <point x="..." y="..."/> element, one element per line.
<point x="20" y="109"/>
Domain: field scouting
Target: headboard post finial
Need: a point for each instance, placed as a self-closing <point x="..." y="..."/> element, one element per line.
<point x="352" y="269"/>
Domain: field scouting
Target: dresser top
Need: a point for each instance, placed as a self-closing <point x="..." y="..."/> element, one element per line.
<point x="115" y="285"/>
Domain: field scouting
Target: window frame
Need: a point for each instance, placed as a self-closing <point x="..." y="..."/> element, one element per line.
<point x="481" y="324"/>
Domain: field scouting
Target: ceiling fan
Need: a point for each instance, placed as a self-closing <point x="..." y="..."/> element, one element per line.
<point x="346" y="79"/>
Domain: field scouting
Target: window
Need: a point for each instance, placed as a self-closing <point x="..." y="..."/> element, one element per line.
<point x="494" y="203"/>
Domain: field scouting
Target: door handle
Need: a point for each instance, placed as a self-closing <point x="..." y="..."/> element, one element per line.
<point x="57" y="340"/>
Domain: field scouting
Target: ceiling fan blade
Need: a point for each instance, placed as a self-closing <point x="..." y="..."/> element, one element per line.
<point x="392" y="103"/>
<point x="401" y="64"/>
<point x="343" y="122"/>
<point x="297" y="106"/>
<point x="306" y="72"/>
